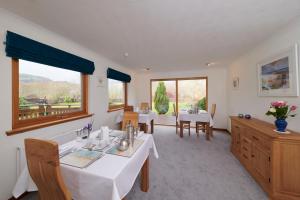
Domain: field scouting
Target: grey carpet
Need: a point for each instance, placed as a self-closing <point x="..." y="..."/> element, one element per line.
<point x="195" y="169"/>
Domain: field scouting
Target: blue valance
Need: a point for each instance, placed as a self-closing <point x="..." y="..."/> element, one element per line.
<point x="18" y="46"/>
<point x="120" y="76"/>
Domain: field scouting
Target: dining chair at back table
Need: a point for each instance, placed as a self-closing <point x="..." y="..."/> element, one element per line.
<point x="44" y="168"/>
<point x="144" y="106"/>
<point x="128" y="109"/>
<point x="202" y="125"/>
<point x="133" y="117"/>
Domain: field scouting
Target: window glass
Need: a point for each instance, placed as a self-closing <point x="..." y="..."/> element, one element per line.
<point x="116" y="92"/>
<point x="46" y="91"/>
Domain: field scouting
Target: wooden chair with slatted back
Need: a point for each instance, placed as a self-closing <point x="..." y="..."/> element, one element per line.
<point x="43" y="165"/>
<point x="212" y="114"/>
<point x="144" y="106"/>
<point x="186" y="124"/>
<point x="133" y="117"/>
<point x="176" y="117"/>
<point x="128" y="109"/>
<point x="201" y="125"/>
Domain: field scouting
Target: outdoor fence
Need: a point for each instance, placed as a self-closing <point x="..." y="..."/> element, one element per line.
<point x="44" y="110"/>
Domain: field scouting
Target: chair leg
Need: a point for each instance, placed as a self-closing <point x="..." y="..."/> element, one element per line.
<point x="189" y="129"/>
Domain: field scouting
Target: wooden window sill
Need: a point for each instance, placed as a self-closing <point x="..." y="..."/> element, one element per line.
<point x="46" y="124"/>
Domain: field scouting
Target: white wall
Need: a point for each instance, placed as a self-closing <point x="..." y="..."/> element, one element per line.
<point x="217" y="84"/>
<point x="98" y="100"/>
<point x="246" y="100"/>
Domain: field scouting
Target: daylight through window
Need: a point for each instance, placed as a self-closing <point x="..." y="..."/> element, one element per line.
<point x="117" y="94"/>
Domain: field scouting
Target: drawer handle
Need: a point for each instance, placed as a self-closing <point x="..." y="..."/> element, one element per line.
<point x="245" y="141"/>
<point x="245" y="148"/>
<point x="245" y="156"/>
<point x="252" y="155"/>
<point x="255" y="138"/>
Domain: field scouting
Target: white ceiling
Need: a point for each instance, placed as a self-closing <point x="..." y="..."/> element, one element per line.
<point x="161" y="34"/>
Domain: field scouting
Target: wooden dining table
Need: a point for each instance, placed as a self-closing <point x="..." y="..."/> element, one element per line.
<point x="202" y="116"/>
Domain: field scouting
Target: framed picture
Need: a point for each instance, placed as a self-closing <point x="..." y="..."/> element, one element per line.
<point x="100" y="81"/>
<point x="278" y="75"/>
<point x="235" y="83"/>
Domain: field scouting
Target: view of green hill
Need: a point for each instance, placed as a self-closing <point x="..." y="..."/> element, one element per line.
<point x="28" y="78"/>
<point x="40" y="87"/>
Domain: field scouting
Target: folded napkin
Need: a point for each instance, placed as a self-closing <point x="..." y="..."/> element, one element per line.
<point x="65" y="148"/>
<point x="105" y="133"/>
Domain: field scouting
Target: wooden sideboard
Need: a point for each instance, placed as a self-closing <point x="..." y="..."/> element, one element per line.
<point x="272" y="159"/>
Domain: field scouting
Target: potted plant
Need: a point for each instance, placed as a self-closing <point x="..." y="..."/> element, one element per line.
<point x="281" y="110"/>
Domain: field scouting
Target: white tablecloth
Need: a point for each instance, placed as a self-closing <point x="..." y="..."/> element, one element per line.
<point x="200" y="117"/>
<point x="109" y="178"/>
<point x="143" y="118"/>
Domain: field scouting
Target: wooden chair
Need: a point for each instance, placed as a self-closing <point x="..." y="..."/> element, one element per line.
<point x="144" y="106"/>
<point x="186" y="124"/>
<point x="133" y="117"/>
<point x="128" y="109"/>
<point x="175" y="113"/>
<point x="202" y="125"/>
<point x="43" y="165"/>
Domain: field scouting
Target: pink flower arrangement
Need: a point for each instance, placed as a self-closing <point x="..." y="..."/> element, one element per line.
<point x="281" y="110"/>
<point x="278" y="104"/>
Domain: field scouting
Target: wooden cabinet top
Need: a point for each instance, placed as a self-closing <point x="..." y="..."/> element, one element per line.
<point x="266" y="128"/>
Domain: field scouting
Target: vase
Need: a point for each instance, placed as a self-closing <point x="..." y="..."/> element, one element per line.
<point x="281" y="125"/>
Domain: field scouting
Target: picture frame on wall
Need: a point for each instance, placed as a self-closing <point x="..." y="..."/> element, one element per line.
<point x="278" y="75"/>
<point x="235" y="83"/>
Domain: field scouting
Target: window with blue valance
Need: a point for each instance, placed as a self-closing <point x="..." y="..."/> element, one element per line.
<point x="20" y="47"/>
<point x="117" y="75"/>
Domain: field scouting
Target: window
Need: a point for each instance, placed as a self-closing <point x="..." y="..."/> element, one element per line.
<point x="43" y="94"/>
<point x="117" y="94"/>
<point x="177" y="94"/>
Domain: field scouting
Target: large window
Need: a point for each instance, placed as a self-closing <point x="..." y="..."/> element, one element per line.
<point x="169" y="96"/>
<point x="43" y="93"/>
<point x="117" y="94"/>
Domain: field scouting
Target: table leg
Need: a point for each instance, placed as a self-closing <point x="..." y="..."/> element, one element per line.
<point x="207" y="131"/>
<point x="181" y="129"/>
<point x="120" y="126"/>
<point x="152" y="126"/>
<point x="145" y="176"/>
<point x="145" y="128"/>
<point x="197" y="130"/>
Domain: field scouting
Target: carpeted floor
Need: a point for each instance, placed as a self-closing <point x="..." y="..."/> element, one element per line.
<point x="195" y="169"/>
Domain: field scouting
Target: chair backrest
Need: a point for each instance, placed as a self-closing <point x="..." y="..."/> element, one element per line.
<point x="128" y="108"/>
<point x="43" y="165"/>
<point x="133" y="117"/>
<point x="213" y="110"/>
<point x="144" y="105"/>
<point x="174" y="111"/>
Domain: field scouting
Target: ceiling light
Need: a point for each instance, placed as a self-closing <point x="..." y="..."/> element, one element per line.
<point x="126" y="54"/>
<point x="146" y="69"/>
<point x="210" y="64"/>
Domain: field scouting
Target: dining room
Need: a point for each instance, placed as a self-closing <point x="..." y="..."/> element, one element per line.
<point x="149" y="99"/>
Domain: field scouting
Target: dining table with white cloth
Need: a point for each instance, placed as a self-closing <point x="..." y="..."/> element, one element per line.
<point x="109" y="178"/>
<point x="202" y="116"/>
<point x="146" y="119"/>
